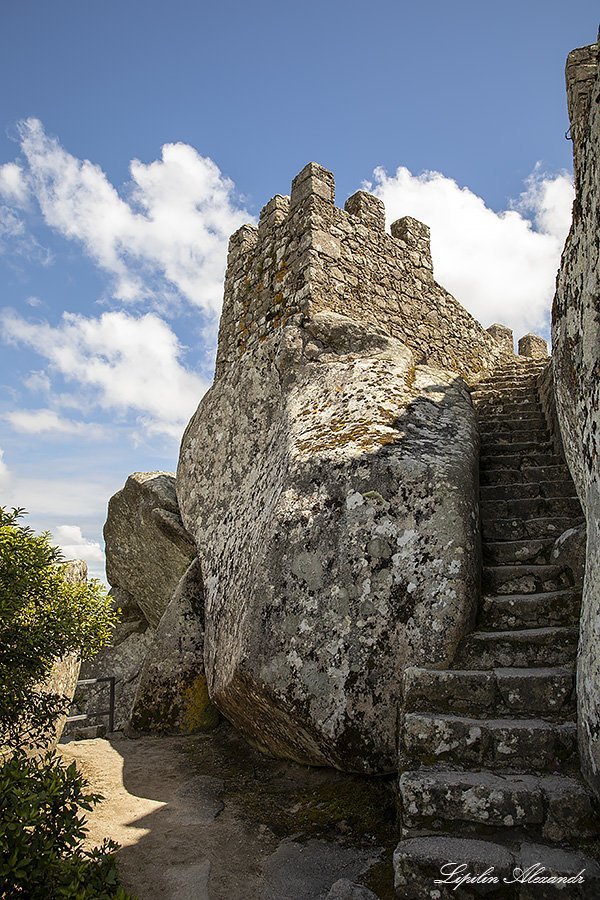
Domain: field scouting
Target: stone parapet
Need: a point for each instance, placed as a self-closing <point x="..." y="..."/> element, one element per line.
<point x="307" y="256"/>
<point x="504" y="337"/>
<point x="533" y="346"/>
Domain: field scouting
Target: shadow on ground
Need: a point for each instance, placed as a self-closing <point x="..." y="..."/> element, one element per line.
<point x="206" y="817"/>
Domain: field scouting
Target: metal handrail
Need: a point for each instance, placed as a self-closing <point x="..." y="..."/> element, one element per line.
<point x="110" y="712"/>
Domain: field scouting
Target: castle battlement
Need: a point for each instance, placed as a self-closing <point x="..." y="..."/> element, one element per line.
<point x="307" y="255"/>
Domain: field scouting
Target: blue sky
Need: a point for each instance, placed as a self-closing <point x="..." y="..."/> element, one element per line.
<point x="190" y="117"/>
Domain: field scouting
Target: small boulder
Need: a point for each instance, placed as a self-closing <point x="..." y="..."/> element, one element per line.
<point x="147" y="547"/>
<point x="172" y="694"/>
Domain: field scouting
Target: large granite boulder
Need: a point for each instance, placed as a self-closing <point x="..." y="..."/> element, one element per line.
<point x="147" y="547"/>
<point x="147" y="553"/>
<point x="576" y="344"/>
<point x="331" y="487"/>
<point x="172" y="694"/>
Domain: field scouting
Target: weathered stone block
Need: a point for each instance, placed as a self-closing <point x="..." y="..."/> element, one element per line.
<point x="503" y="336"/>
<point x="417" y="236"/>
<point x="368" y="208"/>
<point x="273" y="213"/>
<point x="534" y="346"/>
<point x="312" y="181"/>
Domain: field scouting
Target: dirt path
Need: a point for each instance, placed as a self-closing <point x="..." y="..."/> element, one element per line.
<point x="207" y="818"/>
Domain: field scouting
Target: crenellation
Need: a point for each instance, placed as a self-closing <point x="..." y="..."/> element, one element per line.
<point x="309" y="256"/>
<point x="534" y="346"/>
<point x="503" y="335"/>
<point x="312" y="182"/>
<point x="273" y="213"/>
<point x="368" y="208"/>
<point x="416" y="237"/>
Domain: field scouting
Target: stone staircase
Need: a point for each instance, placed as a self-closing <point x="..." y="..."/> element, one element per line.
<point x="491" y="778"/>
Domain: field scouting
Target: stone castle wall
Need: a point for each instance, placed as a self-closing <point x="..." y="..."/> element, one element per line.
<point x="307" y="255"/>
<point x="576" y="361"/>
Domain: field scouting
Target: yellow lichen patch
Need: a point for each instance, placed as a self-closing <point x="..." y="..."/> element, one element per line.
<point x="199" y="714"/>
<point x="335" y="435"/>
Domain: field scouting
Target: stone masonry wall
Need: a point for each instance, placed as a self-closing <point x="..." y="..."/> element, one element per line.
<point x="576" y="341"/>
<point x="307" y="255"/>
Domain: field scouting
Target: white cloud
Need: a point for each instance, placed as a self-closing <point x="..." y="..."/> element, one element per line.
<point x="34" y="302"/>
<point x="13" y="185"/>
<point x="500" y="266"/>
<point x="72" y="494"/>
<point x="48" y="421"/>
<point x="38" y="382"/>
<point x="11" y="225"/>
<point x="75" y="546"/>
<point x="168" y="235"/>
<point x="127" y="363"/>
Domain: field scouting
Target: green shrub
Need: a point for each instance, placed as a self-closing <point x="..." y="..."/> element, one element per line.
<point x="43" y="617"/>
<point x="41" y="833"/>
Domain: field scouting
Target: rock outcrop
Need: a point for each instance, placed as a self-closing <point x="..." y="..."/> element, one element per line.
<point x="147" y="554"/>
<point x="172" y="694"/>
<point x="330" y="481"/>
<point x="576" y="342"/>
<point x="147" y="547"/>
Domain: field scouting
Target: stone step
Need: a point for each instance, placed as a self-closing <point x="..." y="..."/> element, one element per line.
<point x="507" y="421"/>
<point x="529" y="744"/>
<point x="516" y="460"/>
<point x="515" y="396"/>
<point x="512" y="611"/>
<point x="526" y="579"/>
<point x="551" y="806"/>
<point x="418" y="864"/>
<point x="511" y="373"/>
<point x="495" y="407"/>
<point x="524" y="448"/>
<point x="531" y="508"/>
<point x="513" y="438"/>
<point x="507" y="383"/>
<point x="490" y="429"/>
<point x="538" y="647"/>
<point x="554" y="473"/>
<point x="522" y="529"/>
<point x="502" y="553"/>
<point x="546" y="693"/>
<point x="559" y="488"/>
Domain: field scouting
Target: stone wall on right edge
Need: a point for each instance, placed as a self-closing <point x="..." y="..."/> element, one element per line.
<point x="576" y="342"/>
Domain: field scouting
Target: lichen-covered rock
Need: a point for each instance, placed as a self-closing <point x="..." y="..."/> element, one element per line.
<point x="576" y="343"/>
<point x="172" y="694"/>
<point x="331" y="488"/>
<point x="147" y="548"/>
<point x="147" y="553"/>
